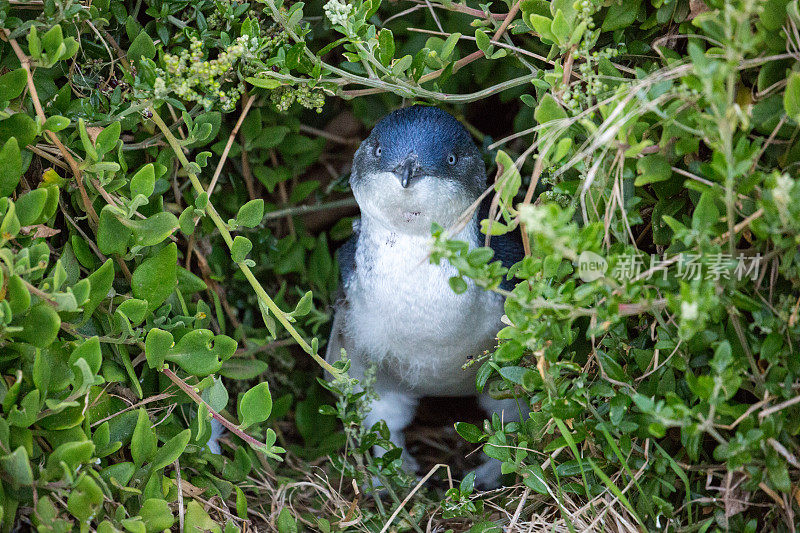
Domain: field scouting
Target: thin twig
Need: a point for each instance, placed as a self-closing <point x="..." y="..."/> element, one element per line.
<point x="228" y="145"/>
<point x="781" y="406"/>
<point x="421" y="482"/>
<point x="306" y="209"/>
<point x="233" y="428"/>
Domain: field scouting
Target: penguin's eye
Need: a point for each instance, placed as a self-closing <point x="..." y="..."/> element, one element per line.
<point x="452" y="159"/>
<point x="377" y="150"/>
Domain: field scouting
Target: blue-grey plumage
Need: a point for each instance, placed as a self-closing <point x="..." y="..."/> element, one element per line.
<point x="418" y="166"/>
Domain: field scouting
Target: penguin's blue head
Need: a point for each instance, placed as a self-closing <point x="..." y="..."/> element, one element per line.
<point x="418" y="166"/>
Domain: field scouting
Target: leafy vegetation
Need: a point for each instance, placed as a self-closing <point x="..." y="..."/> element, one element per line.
<point x="173" y="182"/>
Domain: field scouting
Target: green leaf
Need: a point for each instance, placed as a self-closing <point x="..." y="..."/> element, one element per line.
<point x="255" y="405"/>
<point x="73" y="454"/>
<point x="238" y="368"/>
<point x="269" y="137"/>
<point x="197" y="519"/>
<point x="134" y="310"/>
<point x="12" y="84"/>
<point x="778" y="473"/>
<point x="469" y="432"/>
<point x="56" y="123"/>
<point x="494" y="227"/>
<point x="100" y="282"/>
<point x="401" y="65"/>
<point x="482" y="40"/>
<point x="286" y="523"/>
<point x="169" y="452"/>
<point x="458" y="284"/>
<point x="241" y="503"/>
<point x="156" y="514"/>
<point x="467" y="484"/>
<point x="89" y="350"/>
<point x="144" y="181"/>
<point x="84" y="499"/>
<point x="9" y="227"/>
<point x="154" y="229"/>
<point x="509" y="352"/>
<point x="774" y="14"/>
<point x="535" y="479"/>
<point x="30" y="206"/>
<point x="52" y="39"/>
<point x="188" y="283"/>
<point x="216" y="396"/>
<point x="560" y="28"/>
<point x="240" y="248"/>
<point x="791" y="96"/>
<point x="112" y="235"/>
<point x="10" y="167"/>
<point x="186" y="221"/>
<point x="157" y="346"/>
<point x="34" y="43"/>
<point x="385" y="46"/>
<point x="652" y="169"/>
<point x="201" y="201"/>
<point x="51" y="204"/>
<point x="156" y="278"/>
<point x="304" y="306"/>
<point x="70" y="48"/>
<point x="88" y="145"/>
<point x="251" y="213"/>
<point x="134" y="525"/>
<point x="143" y="441"/>
<point x="200" y="352"/>
<point x="40" y="326"/>
<point x="705" y="214"/>
<point x="542" y="25"/>
<point x="25" y="415"/>
<point x="209" y="124"/>
<point x="449" y="46"/>
<point x="21" y="126"/>
<point x="621" y="15"/>
<point x="17" y="295"/>
<point x="548" y="110"/>
<point x="142" y="46"/>
<point x="17" y="466"/>
<point x="107" y="139"/>
<point x="510" y="180"/>
<point x="264" y="83"/>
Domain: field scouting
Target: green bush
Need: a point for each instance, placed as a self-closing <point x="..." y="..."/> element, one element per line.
<point x="170" y="190"/>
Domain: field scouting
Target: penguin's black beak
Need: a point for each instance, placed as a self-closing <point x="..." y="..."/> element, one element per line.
<point x="407" y="169"/>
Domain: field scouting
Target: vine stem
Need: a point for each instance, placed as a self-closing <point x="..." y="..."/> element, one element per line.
<point x="233" y="428"/>
<point x="226" y="236"/>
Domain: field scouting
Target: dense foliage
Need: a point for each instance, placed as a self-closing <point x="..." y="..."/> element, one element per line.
<point x="172" y="185"/>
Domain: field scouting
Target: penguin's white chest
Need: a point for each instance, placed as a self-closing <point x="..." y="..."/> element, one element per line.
<point x="404" y="316"/>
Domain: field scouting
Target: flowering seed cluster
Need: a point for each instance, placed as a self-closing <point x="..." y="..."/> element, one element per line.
<point x="581" y="95"/>
<point x="338" y="12"/>
<point x="208" y="82"/>
<point x="283" y="97"/>
<point x="585" y="10"/>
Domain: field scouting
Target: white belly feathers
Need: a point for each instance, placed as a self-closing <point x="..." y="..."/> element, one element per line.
<point x="403" y="315"/>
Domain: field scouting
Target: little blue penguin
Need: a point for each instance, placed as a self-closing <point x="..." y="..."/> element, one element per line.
<point x="397" y="311"/>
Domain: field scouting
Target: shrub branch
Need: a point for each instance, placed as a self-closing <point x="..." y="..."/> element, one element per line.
<point x="226" y="235"/>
